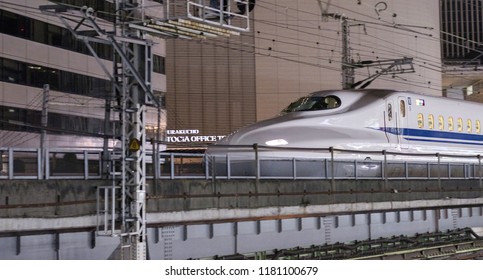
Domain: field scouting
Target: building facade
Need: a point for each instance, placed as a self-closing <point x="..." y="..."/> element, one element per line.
<point x="462" y="51"/>
<point x="37" y="49"/>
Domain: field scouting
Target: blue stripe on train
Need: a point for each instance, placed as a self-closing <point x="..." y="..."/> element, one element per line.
<point x="436" y="136"/>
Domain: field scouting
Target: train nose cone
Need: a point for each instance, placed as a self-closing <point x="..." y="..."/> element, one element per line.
<point x="278" y="131"/>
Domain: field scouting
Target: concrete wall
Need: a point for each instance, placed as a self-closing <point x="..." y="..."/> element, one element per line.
<point x="62" y="198"/>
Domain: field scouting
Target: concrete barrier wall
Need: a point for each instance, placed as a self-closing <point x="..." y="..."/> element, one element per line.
<point x="69" y="198"/>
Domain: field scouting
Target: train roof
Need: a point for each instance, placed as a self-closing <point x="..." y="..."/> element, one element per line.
<point x="379" y="92"/>
<point x="383" y="93"/>
<point x="338" y="101"/>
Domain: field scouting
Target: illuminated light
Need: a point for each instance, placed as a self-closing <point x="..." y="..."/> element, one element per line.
<point x="276" y="142"/>
<point x="420" y="102"/>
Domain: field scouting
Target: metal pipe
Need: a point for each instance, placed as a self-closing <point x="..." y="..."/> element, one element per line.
<point x="10" y="163"/>
<point x="332" y="167"/>
<point x="86" y="165"/>
<point x="384" y="170"/>
<point x="257" y="161"/>
<point x="228" y="169"/>
<point x="479" y="163"/>
<point x="44" y="123"/>
<point x="439" y="171"/>
<point x="172" y="166"/>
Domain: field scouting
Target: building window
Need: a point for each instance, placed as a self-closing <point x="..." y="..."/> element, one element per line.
<point x="56" y="36"/>
<point x="61" y="123"/>
<point x="158" y="64"/>
<point x="12" y="71"/>
<point x="33" y="75"/>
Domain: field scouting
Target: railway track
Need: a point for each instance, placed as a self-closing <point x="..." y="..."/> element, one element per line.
<point x="456" y="244"/>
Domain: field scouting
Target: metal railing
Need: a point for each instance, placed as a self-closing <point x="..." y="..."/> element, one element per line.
<point x="330" y="164"/>
<point x="21" y="163"/>
<point x="327" y="166"/>
<point x="227" y="14"/>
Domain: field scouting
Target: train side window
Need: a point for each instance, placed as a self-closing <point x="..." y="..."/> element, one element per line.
<point x="441" y="122"/>
<point x="460" y="124"/>
<point x="402" y="108"/>
<point x="478" y="126"/>
<point x="450" y="124"/>
<point x="389" y="111"/>
<point x="420" y="120"/>
<point x="430" y="121"/>
<point x="469" y="126"/>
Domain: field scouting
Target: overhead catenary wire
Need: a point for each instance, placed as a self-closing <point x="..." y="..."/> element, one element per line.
<point x="259" y="4"/>
<point x="8" y="136"/>
<point x="425" y="63"/>
<point x="294" y="57"/>
<point x="331" y="59"/>
<point x="334" y="60"/>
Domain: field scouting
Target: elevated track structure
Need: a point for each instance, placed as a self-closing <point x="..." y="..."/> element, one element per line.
<point x="196" y="210"/>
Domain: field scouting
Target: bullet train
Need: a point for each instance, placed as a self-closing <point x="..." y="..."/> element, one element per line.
<point x="362" y="120"/>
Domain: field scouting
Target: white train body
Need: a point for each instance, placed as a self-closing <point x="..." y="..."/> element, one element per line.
<point x="366" y="120"/>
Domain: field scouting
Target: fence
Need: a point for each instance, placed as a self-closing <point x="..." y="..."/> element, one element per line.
<point x="325" y="166"/>
<point x="19" y="163"/>
<point x="331" y="164"/>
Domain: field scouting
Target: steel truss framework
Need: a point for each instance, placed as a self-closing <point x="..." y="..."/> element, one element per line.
<point x="131" y="79"/>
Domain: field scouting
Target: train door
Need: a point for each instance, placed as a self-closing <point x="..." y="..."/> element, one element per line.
<point x="396" y="116"/>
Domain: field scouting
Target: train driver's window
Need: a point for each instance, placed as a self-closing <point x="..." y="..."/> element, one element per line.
<point x="450" y="124"/>
<point x="313" y="103"/>
<point x="402" y="108"/>
<point x="332" y="102"/>
<point x="478" y="126"/>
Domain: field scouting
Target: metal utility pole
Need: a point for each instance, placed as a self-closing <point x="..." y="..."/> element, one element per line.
<point x="44" y="123"/>
<point x="132" y="66"/>
<point x="130" y="93"/>
<point x="347" y="68"/>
